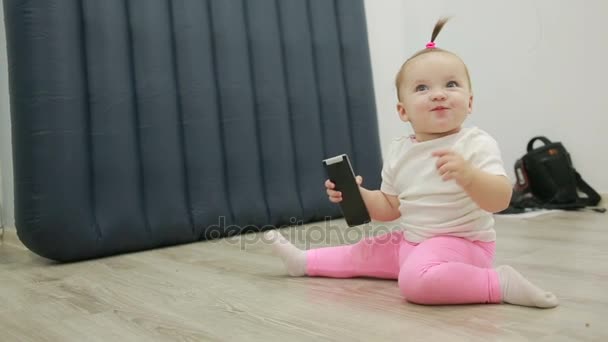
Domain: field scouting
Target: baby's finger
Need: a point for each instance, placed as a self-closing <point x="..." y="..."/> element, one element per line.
<point x="333" y="193"/>
<point x="335" y="199"/>
<point x="359" y="180"/>
<point x="447" y="167"/>
<point x="448" y="176"/>
<point x="442" y="161"/>
<point x="329" y="184"/>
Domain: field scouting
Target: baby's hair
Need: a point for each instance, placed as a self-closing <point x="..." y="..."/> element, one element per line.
<point x="430" y="47"/>
<point x="438" y="27"/>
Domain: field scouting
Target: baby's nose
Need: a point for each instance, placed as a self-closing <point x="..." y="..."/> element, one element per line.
<point x="438" y="95"/>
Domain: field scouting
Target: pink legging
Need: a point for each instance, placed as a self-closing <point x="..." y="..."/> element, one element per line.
<point x="440" y="270"/>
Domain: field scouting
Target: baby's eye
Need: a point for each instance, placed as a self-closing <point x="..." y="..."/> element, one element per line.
<point x="421" y="87"/>
<point x="452" y="84"/>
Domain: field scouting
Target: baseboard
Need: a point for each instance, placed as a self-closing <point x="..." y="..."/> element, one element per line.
<point x="9" y="236"/>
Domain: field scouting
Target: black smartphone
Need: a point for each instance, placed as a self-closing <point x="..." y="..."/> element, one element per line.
<point x="340" y="172"/>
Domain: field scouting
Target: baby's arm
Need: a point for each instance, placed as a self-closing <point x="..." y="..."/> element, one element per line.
<point x="381" y="207"/>
<point x="491" y="192"/>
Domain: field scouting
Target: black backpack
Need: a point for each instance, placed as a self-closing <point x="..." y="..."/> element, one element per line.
<point x="546" y="179"/>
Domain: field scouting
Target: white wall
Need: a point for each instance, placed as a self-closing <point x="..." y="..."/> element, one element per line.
<point x="6" y="161"/>
<point x="537" y="67"/>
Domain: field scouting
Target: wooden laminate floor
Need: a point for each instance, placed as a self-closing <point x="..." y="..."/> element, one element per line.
<point x="234" y="289"/>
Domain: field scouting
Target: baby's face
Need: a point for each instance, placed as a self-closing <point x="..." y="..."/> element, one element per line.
<point x="435" y="94"/>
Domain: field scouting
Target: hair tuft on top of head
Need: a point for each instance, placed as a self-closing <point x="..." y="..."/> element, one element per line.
<point x="438" y="27"/>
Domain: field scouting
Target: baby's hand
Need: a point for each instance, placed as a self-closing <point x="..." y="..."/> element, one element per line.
<point x="451" y="165"/>
<point x="336" y="196"/>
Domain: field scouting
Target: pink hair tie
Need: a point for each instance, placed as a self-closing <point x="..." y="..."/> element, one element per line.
<point x="430" y="45"/>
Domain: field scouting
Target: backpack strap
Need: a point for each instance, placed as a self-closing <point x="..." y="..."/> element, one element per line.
<point x="530" y="146"/>
<point x="593" y="198"/>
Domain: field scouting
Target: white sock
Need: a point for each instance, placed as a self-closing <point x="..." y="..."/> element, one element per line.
<point x="293" y="258"/>
<point x="519" y="291"/>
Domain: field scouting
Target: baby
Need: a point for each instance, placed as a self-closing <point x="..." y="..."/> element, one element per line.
<point x="443" y="183"/>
